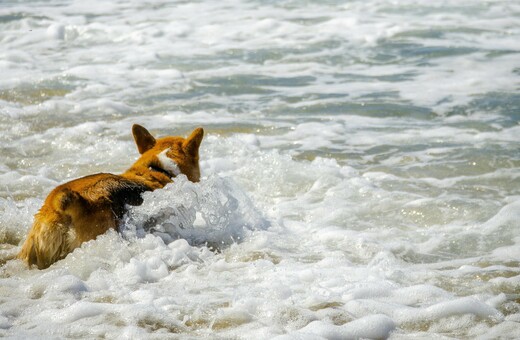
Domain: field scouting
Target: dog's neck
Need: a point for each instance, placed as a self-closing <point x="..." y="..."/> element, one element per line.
<point x="150" y="176"/>
<point x="161" y="170"/>
<point x="167" y="165"/>
<point x="154" y="173"/>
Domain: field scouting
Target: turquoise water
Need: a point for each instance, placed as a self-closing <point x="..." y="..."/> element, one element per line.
<point x="360" y="167"/>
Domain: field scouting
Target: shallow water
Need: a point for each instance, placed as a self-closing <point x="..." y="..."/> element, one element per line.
<point x="360" y="167"/>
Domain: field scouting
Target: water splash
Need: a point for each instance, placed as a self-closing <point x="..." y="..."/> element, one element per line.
<point x="215" y="212"/>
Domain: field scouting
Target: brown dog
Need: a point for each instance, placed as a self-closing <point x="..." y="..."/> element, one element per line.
<point x="82" y="209"/>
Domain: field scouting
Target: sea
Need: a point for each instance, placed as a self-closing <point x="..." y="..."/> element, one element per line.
<point x="360" y="167"/>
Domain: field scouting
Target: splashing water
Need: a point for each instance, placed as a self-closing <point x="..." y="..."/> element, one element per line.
<point x="215" y="211"/>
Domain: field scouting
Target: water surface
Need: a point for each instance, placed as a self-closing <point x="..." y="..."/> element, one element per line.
<point x="360" y="167"/>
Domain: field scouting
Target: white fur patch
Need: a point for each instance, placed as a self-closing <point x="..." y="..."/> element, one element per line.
<point x="168" y="164"/>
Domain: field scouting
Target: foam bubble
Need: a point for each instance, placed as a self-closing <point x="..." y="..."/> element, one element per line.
<point x="56" y="31"/>
<point x="78" y="311"/>
<point x="371" y="327"/>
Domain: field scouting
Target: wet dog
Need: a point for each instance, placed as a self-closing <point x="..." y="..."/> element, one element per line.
<point x="80" y="210"/>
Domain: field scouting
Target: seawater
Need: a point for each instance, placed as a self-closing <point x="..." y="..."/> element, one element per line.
<point x="360" y="167"/>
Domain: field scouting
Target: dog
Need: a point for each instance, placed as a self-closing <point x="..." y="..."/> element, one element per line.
<point x="84" y="208"/>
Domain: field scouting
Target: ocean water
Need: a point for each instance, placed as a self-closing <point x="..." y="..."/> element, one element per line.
<point x="361" y="167"/>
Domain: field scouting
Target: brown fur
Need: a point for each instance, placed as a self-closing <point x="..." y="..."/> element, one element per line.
<point x="82" y="209"/>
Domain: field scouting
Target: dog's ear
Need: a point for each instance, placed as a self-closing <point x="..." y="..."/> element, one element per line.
<point x="192" y="143"/>
<point x="143" y="139"/>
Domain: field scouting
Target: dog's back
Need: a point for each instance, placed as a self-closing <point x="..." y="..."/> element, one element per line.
<point x="76" y="212"/>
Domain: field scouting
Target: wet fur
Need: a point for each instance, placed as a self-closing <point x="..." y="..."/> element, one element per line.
<point x="80" y="210"/>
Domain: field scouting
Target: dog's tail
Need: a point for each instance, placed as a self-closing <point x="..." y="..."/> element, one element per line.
<point x="52" y="236"/>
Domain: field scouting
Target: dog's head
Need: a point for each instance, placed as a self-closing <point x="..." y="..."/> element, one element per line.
<point x="170" y="155"/>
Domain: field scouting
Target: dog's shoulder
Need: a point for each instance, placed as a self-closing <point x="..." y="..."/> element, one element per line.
<point x="114" y="188"/>
<point x="98" y="190"/>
